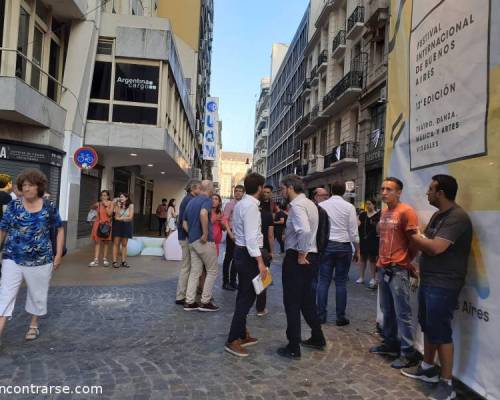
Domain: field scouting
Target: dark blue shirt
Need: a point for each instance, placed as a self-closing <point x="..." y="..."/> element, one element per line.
<point x="28" y="240"/>
<point x="181" y="233"/>
<point x="192" y="216"/>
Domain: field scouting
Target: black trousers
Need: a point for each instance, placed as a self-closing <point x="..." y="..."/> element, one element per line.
<point x="260" y="303"/>
<point x="161" y="227"/>
<point x="299" y="296"/>
<point x="247" y="269"/>
<point x="279" y="238"/>
<point x="228" y="269"/>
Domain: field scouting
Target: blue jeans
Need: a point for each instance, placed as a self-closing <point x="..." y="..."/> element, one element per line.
<point x="395" y="304"/>
<point x="336" y="258"/>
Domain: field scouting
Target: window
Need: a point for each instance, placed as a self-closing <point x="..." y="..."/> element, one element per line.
<point x="40" y="40"/>
<point x="122" y="90"/>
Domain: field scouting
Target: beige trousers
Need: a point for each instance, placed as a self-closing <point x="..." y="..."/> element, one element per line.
<point x="184" y="272"/>
<point x="202" y="254"/>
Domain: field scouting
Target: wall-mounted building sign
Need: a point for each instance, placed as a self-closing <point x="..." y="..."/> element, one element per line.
<point x="136" y="83"/>
<point x="16" y="152"/>
<point x="211" y="126"/>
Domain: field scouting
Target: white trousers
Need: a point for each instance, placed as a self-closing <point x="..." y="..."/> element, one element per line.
<point x="37" y="280"/>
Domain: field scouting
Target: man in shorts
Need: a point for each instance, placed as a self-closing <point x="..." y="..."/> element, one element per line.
<point x="445" y="247"/>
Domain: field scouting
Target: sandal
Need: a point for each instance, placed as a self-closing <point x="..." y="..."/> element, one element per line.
<point x="105" y="262"/>
<point x="125" y="265"/>
<point x="94" y="263"/>
<point x="115" y="265"/>
<point x="33" y="333"/>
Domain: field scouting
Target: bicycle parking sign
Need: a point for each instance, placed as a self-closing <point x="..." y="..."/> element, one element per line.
<point x="85" y="157"/>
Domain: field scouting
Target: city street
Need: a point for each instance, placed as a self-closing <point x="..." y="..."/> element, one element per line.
<point x="120" y="329"/>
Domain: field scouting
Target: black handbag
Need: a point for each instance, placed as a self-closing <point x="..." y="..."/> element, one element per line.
<point x="103" y="230"/>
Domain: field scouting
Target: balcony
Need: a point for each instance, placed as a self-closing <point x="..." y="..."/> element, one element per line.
<point x="306" y="86"/>
<point x="67" y="9"/>
<point x="29" y="93"/>
<point x="314" y="76"/>
<point x="303" y="125"/>
<point x="322" y="61"/>
<point x="356" y="23"/>
<point x="317" y="116"/>
<point x="343" y="93"/>
<point x="376" y="12"/>
<point x="344" y="154"/>
<point x="339" y="45"/>
<point x="264" y="132"/>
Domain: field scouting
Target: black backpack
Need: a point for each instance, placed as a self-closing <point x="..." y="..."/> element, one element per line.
<point x="323" y="234"/>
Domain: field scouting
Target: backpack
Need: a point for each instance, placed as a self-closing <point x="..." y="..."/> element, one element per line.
<point x="323" y="233"/>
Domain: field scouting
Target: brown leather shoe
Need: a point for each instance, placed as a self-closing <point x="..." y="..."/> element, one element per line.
<point x="235" y="348"/>
<point x="248" y="341"/>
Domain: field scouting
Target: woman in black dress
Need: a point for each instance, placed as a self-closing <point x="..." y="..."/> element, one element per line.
<point x="369" y="241"/>
<point x="122" y="228"/>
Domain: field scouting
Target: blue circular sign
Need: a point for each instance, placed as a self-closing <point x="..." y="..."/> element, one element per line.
<point x="85" y="157"/>
<point x="212" y="106"/>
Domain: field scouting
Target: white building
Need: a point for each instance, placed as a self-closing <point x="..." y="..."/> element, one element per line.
<point x="76" y="73"/>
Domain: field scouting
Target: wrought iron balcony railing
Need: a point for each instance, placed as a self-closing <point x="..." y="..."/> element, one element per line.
<point x="323" y="57"/>
<point x="345" y="150"/>
<point x="358" y="15"/>
<point x="303" y="122"/>
<point x="353" y="79"/>
<point x="339" y="40"/>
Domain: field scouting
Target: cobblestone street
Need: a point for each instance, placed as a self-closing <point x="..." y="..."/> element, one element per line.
<point x="133" y="340"/>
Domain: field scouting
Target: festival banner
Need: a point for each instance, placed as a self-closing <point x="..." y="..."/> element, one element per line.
<point x="443" y="116"/>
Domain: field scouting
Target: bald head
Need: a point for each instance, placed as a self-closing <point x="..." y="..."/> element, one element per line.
<point x="207" y="187"/>
<point x="320" y="194"/>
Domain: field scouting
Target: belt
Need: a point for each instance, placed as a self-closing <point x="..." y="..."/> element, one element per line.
<point x="296" y="251"/>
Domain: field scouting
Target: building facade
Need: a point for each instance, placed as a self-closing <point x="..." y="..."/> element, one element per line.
<point x="105" y="76"/>
<point x="261" y="128"/>
<point x="233" y="168"/>
<point x="192" y="24"/>
<point x="286" y="108"/>
<point x="344" y="107"/>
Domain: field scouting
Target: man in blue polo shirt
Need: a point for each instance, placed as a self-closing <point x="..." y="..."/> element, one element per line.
<point x="192" y="189"/>
<point x="196" y="221"/>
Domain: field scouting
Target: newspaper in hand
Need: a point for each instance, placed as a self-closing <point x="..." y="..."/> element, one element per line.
<point x="260" y="284"/>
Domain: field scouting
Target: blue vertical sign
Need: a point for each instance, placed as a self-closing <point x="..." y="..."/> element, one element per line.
<point x="211" y="127"/>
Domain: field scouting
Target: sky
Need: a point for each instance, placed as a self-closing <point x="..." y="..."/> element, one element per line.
<point x="244" y="32"/>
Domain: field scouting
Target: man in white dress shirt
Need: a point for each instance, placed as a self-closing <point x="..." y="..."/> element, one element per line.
<point x="248" y="262"/>
<point x="338" y="254"/>
<point x="300" y="268"/>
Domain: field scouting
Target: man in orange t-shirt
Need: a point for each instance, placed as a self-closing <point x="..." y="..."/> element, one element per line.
<point x="397" y="223"/>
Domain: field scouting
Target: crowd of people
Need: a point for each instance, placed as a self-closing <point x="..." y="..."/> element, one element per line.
<point x="322" y="237"/>
<point x="319" y="238"/>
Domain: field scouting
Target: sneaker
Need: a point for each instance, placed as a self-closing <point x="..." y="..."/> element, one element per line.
<point x="342" y="322"/>
<point x="190" y="307"/>
<point x="209" y="307"/>
<point x="443" y="391"/>
<point x="373" y="284"/>
<point x="94" y="263"/>
<point x="287" y="352"/>
<point x="235" y="349"/>
<point x="180" y="302"/>
<point x="105" y="262"/>
<point x="405" y="362"/>
<point x="125" y="265"/>
<point x="314" y="344"/>
<point x="248" y="341"/>
<point x="262" y="313"/>
<point x="430" y="375"/>
<point x="360" y="281"/>
<point x="385" y="350"/>
<point x="115" y="264"/>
